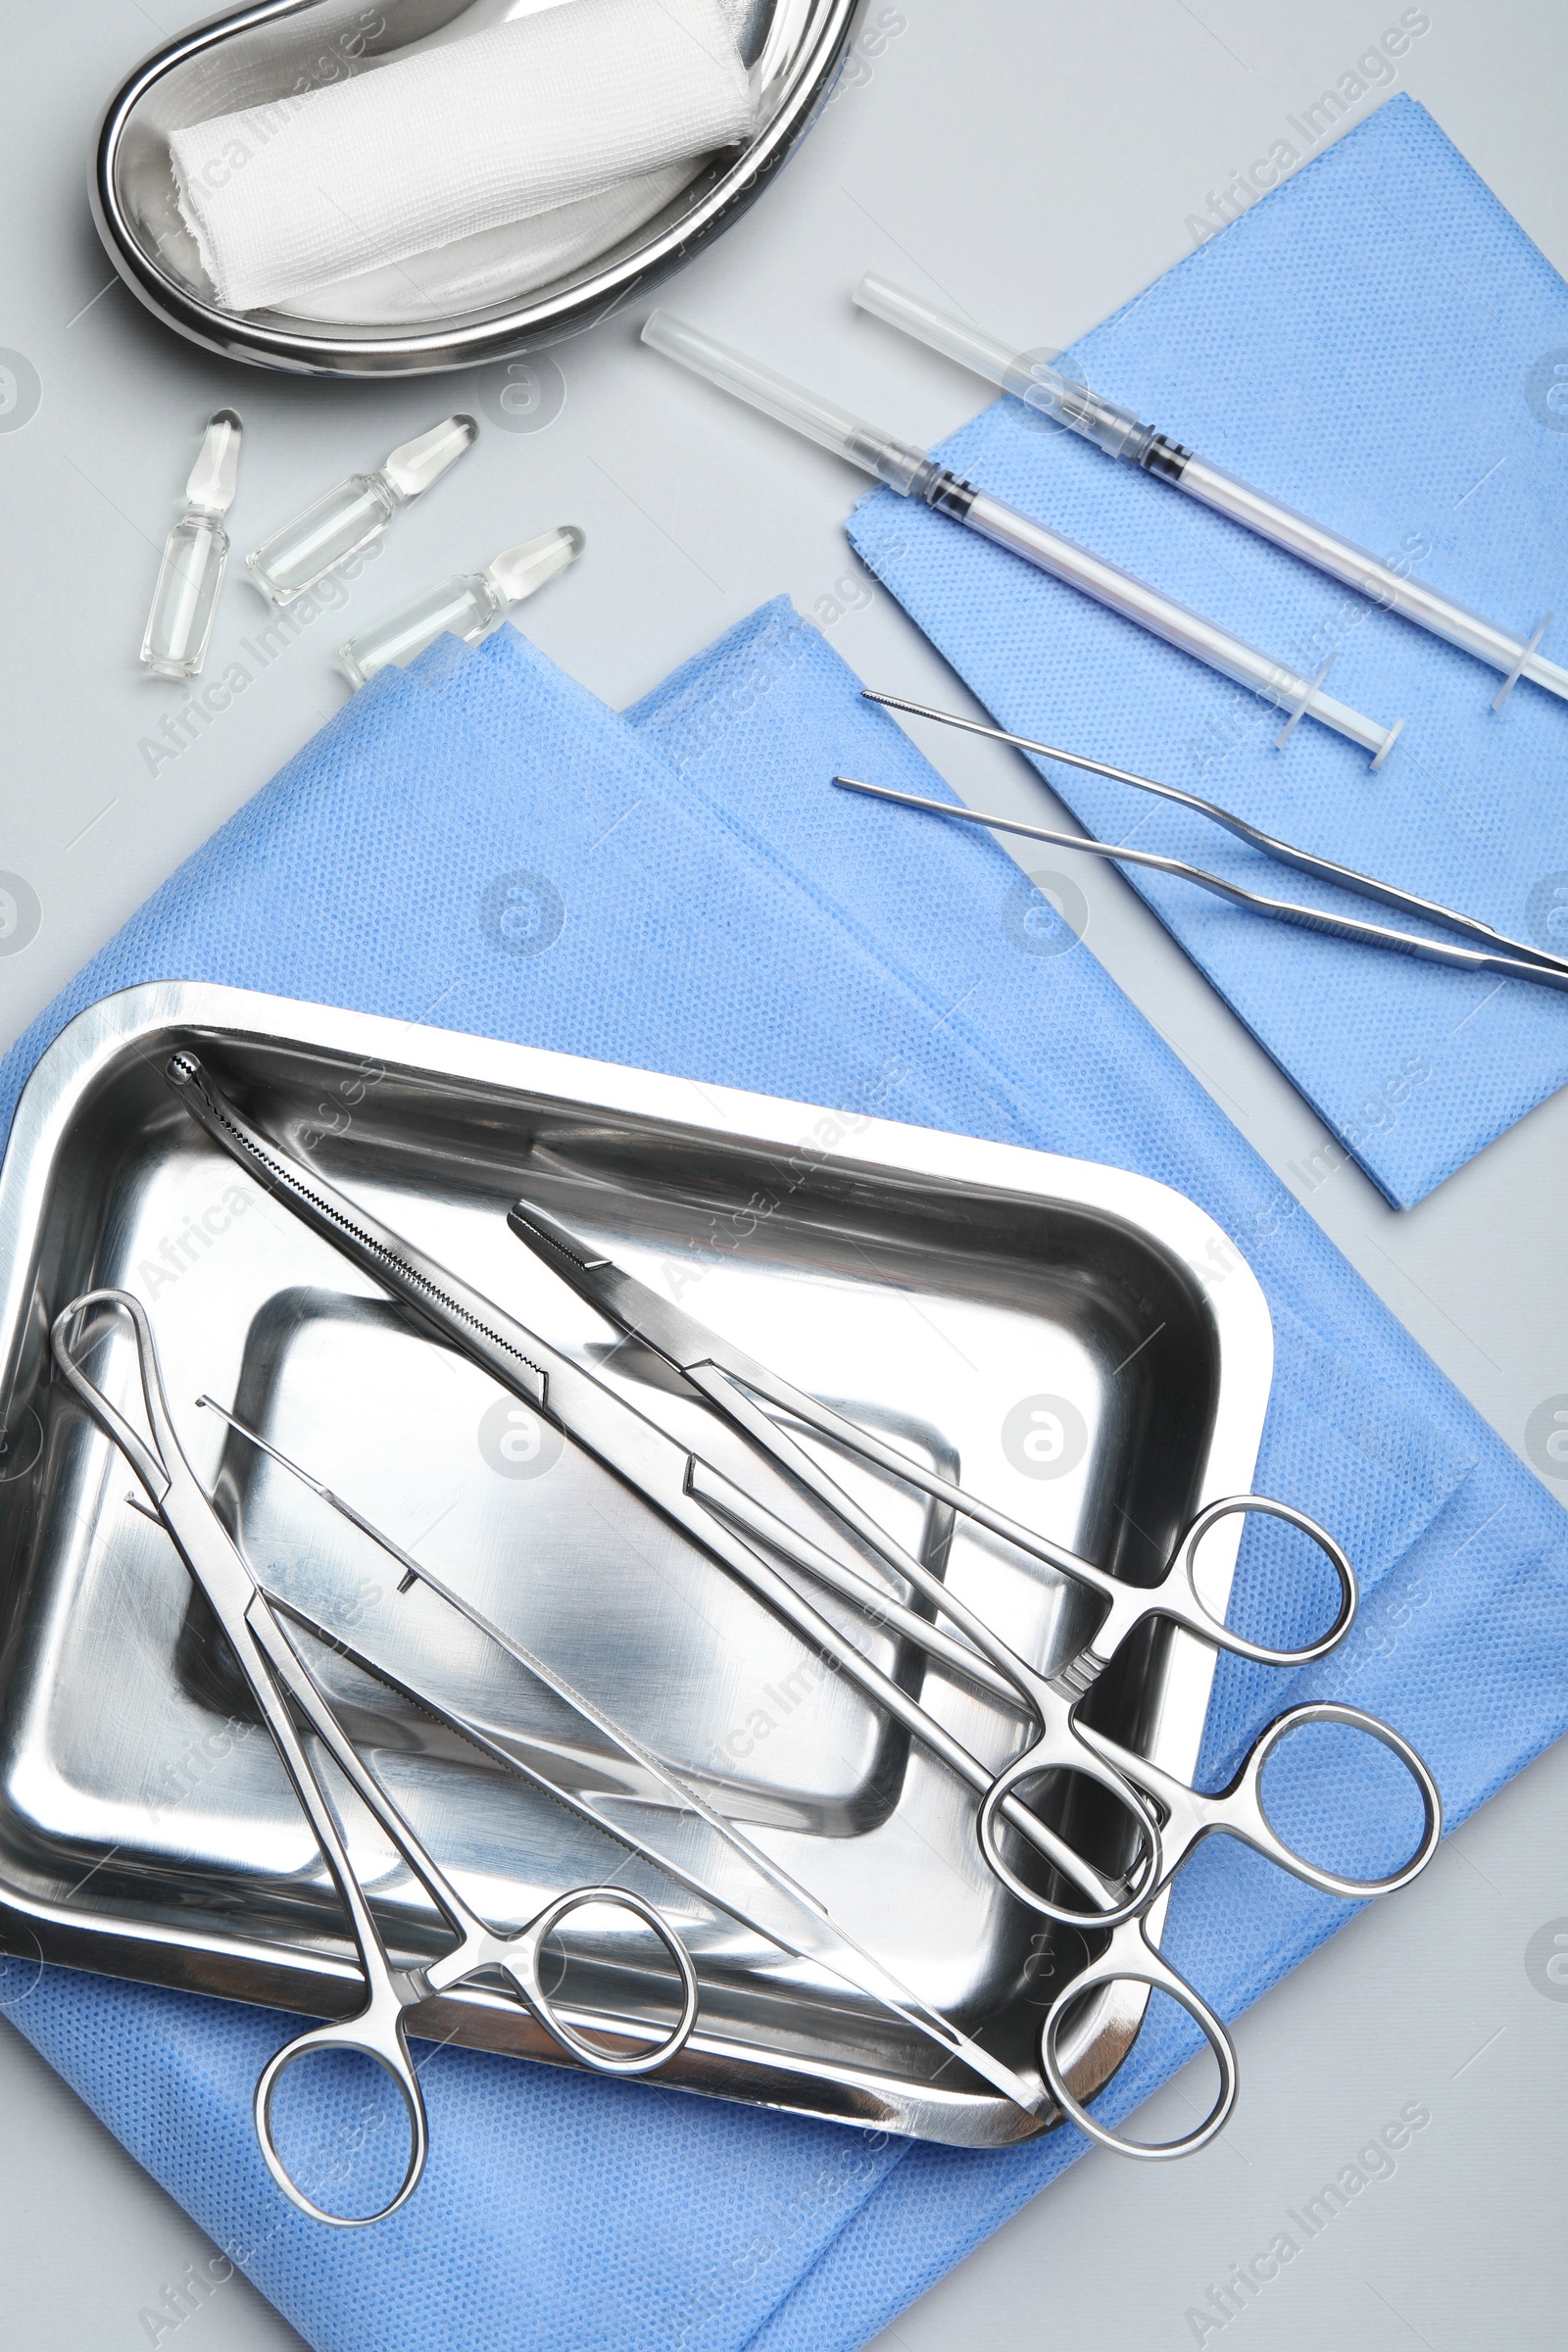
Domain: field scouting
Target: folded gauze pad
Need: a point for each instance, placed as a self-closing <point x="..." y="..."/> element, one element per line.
<point x="284" y="198"/>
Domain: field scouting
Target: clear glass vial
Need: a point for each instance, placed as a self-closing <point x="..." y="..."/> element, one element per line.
<point x="184" y="605"/>
<point x="464" y="606"/>
<point x="355" y="513"/>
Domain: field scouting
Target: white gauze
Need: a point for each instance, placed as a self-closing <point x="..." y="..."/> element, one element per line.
<point x="284" y="198"/>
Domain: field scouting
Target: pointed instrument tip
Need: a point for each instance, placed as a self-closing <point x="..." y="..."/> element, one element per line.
<point x="532" y="1226"/>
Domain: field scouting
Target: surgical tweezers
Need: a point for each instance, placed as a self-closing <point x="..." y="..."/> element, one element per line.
<point x="1489" y="951"/>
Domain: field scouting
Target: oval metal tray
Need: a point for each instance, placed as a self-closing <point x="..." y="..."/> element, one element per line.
<point x="963" y="1294"/>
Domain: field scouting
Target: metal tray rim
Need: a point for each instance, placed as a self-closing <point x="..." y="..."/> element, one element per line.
<point x="133" y="1018"/>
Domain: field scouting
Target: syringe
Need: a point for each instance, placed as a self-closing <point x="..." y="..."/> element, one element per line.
<point x="913" y="473"/>
<point x="1031" y="377"/>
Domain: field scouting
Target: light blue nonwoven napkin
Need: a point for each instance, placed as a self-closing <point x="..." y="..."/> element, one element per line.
<point x="683" y="889"/>
<point x="1370" y="344"/>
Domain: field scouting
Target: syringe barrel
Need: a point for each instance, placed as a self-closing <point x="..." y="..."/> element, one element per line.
<point x="898" y="463"/>
<point x="1342" y="560"/>
<point x="1136" y="601"/>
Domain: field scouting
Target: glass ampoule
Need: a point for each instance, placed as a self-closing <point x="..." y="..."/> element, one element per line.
<point x="356" y="512"/>
<point x="464" y="606"/>
<point x="180" y="625"/>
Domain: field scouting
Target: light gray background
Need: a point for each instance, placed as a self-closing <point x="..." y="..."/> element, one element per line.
<point x="1040" y="158"/>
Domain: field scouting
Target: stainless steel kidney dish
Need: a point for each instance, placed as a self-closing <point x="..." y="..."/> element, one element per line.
<point x="526" y="286"/>
<point x="1079" y="1345"/>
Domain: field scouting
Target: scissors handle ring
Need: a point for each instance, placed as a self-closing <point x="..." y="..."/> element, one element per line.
<point x="1328" y="1881"/>
<point x="1105" y="1776"/>
<point x="379" y="2032"/>
<point x="526" y="1975"/>
<point x="1213" y="1630"/>
<point x="1142" y="1966"/>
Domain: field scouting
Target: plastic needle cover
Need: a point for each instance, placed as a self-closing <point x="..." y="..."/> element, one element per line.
<point x="898" y="463"/>
<point x="913" y="472"/>
<point x="180" y="626"/>
<point x="464" y="606"/>
<point x="1030" y="377"/>
<point x="358" y="511"/>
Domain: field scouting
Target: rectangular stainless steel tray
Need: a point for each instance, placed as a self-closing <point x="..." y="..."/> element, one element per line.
<point x="1081" y="1346"/>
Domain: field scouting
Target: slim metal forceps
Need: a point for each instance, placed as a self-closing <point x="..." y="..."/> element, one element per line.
<point x="286" y="1693"/>
<point x="668" y="1474"/>
<point x="1490" y="950"/>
